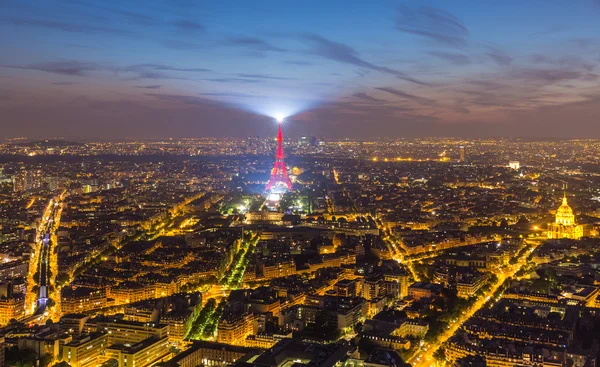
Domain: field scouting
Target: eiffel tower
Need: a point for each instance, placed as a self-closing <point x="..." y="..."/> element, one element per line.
<point x="279" y="177"/>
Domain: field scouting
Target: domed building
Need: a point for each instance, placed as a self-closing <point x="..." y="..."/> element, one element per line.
<point x="564" y="225"/>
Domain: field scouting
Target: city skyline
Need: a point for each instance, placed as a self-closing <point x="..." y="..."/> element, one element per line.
<point x="235" y="183"/>
<point x="424" y="252"/>
<point x="153" y="70"/>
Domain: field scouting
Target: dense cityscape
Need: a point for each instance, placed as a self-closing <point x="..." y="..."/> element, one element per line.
<point x="268" y="183"/>
<point x="276" y="251"/>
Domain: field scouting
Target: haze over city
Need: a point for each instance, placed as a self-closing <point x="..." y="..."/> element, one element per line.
<point x="156" y="69"/>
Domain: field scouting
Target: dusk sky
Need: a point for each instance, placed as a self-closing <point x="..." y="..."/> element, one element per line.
<point x="175" y="68"/>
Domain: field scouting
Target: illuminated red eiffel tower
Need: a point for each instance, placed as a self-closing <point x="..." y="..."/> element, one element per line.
<point x="279" y="175"/>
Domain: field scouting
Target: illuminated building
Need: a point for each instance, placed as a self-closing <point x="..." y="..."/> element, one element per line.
<point x="264" y="216"/>
<point x="278" y="268"/>
<point x="13" y="269"/>
<point x="209" y="354"/>
<point x="298" y="352"/>
<point x="373" y="289"/>
<point x="467" y="286"/>
<point x="74" y="324"/>
<point x="11" y="308"/>
<point x="564" y="225"/>
<point x="345" y="288"/>
<point x="514" y="165"/>
<point x="141" y="312"/>
<point x="85" y="351"/>
<point x="349" y="311"/>
<point x="342" y="312"/>
<point x="298" y="317"/>
<point x="22" y="181"/>
<point x="76" y="300"/>
<point x="262" y="305"/>
<point x="264" y="341"/>
<point x="462" y="153"/>
<point x="387" y="342"/>
<point x="413" y="328"/>
<point x="422" y="290"/>
<point x="2" y="352"/>
<point x="397" y="285"/>
<point x="177" y="326"/>
<point x="130" y="332"/>
<point x="144" y="353"/>
<point x="235" y="330"/>
<point x="279" y="182"/>
<point x="26" y="180"/>
<point x="131" y="292"/>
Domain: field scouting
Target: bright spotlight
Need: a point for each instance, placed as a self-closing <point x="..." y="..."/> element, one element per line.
<point x="279" y="117"/>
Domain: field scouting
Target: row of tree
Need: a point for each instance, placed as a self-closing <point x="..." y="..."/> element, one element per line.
<point x="202" y="320"/>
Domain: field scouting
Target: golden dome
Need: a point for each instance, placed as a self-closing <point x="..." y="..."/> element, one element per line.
<point x="564" y="214"/>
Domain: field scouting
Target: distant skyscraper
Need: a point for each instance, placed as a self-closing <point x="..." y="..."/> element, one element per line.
<point x="462" y="153"/>
<point x="303" y="141"/>
<point x="25" y="180"/>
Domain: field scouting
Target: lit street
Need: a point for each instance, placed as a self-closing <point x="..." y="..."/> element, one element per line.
<point x="424" y="358"/>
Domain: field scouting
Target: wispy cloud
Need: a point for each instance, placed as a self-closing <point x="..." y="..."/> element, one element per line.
<point x="373" y="109"/>
<point x="487" y="85"/>
<point x="228" y="94"/>
<point x="155" y="86"/>
<point x="163" y="67"/>
<point x="551" y="76"/>
<point x="550" y="30"/>
<point x="345" y="54"/>
<point x="158" y="71"/>
<point x="365" y="97"/>
<point x="452" y="57"/>
<point x="132" y="17"/>
<point x="527" y="88"/>
<point x="299" y="63"/>
<point x="412" y="97"/>
<point x="584" y="43"/>
<point x="234" y="80"/>
<point x="252" y="43"/>
<point x="137" y="71"/>
<point x="65" y="26"/>
<point x="70" y="68"/>
<point x="185" y="99"/>
<point x="188" y="25"/>
<point x="565" y="61"/>
<point x="126" y="15"/>
<point x="177" y="44"/>
<point x="434" y="24"/>
<point x="264" y="76"/>
<point x="498" y="56"/>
